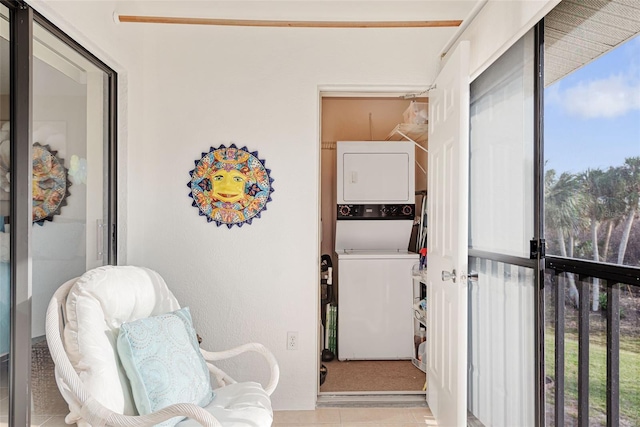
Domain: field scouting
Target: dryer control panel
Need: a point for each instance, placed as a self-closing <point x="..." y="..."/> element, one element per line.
<point x="401" y="211"/>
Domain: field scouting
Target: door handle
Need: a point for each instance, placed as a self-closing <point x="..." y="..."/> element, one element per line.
<point x="446" y="275"/>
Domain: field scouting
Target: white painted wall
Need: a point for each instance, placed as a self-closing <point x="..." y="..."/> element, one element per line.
<point x="260" y="88"/>
<point x="201" y="86"/>
<point x="186" y="88"/>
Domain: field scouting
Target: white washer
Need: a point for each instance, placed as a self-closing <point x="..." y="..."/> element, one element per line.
<point x="374" y="317"/>
<point x="375" y="212"/>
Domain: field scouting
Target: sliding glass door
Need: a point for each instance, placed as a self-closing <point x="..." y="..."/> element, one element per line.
<point x="502" y="298"/>
<point x="57" y="195"/>
<point x="5" y="211"/>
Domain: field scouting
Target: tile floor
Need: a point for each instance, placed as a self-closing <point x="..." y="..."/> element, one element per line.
<point x="355" y="417"/>
<point x="40" y="421"/>
<point x="322" y="417"/>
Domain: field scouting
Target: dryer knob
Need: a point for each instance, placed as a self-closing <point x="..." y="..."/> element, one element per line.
<point x="344" y="210"/>
<point x="406" y="209"/>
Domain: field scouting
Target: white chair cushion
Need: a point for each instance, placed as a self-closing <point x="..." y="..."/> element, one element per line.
<point x="97" y="304"/>
<point x="238" y="405"/>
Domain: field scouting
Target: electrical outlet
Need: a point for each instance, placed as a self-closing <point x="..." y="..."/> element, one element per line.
<point x="292" y="340"/>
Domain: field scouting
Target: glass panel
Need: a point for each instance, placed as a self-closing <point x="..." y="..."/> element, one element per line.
<point x="592" y="143"/>
<point x="501" y="344"/>
<point x="5" y="210"/>
<point x="501" y="134"/>
<point x="69" y="187"/>
<point x="550" y="285"/>
<point x="502" y="355"/>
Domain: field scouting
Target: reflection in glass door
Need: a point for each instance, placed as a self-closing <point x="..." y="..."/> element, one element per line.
<point x="70" y="188"/>
<point x="5" y="209"/>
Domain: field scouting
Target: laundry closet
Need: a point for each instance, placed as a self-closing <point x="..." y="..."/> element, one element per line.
<point x="372" y="299"/>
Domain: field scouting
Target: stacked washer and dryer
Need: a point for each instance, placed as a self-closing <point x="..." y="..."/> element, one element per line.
<point x="375" y="215"/>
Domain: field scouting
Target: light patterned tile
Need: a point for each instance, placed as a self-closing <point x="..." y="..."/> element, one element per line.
<point x="366" y="424"/>
<point x="376" y="415"/>
<point x="401" y="425"/>
<point x="307" y="425"/>
<point x="319" y="416"/>
<point x="35" y="421"/>
<point x="423" y="416"/>
<point x="56" y="421"/>
<point x="38" y="420"/>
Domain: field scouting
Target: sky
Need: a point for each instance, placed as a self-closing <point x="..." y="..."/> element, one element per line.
<point x="592" y="116"/>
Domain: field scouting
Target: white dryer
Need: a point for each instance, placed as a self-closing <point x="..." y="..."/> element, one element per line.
<point x="375" y="213"/>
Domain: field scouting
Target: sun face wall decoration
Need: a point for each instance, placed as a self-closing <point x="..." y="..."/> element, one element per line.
<point x="50" y="181"/>
<point x="230" y="185"/>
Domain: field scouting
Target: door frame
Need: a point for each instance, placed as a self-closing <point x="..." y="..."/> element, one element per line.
<point x="355" y="398"/>
<point x="538" y="219"/>
<point x="21" y="91"/>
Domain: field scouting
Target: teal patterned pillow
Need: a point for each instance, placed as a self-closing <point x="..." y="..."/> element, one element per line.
<point x="161" y="357"/>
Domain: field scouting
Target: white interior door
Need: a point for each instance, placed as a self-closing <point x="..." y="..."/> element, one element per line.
<point x="448" y="240"/>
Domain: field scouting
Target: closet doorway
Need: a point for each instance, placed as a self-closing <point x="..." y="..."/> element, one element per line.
<point x="364" y="117"/>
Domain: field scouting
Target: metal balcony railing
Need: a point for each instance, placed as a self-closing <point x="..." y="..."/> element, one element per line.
<point x="612" y="280"/>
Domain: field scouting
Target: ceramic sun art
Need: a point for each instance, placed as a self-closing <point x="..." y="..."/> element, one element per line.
<point x="230" y="186"/>
<point x="50" y="184"/>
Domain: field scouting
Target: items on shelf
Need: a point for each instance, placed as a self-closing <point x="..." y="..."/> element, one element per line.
<point x="332" y="311"/>
<point x="420" y="311"/>
<point x="419" y="273"/>
<point x="416" y="113"/>
<point x="423" y="259"/>
<point x="420" y="340"/>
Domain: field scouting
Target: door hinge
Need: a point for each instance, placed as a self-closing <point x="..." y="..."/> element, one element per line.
<point x="537" y="247"/>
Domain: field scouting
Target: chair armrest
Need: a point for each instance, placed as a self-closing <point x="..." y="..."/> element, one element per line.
<point x="96" y="414"/>
<point x="211" y="356"/>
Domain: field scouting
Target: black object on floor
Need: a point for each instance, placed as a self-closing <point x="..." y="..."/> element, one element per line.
<point x="327" y="355"/>
<point x="323" y="374"/>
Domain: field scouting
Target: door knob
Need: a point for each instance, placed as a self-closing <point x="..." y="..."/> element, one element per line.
<point x="446" y="275"/>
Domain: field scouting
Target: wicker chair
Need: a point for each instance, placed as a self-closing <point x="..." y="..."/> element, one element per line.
<point x="89" y="389"/>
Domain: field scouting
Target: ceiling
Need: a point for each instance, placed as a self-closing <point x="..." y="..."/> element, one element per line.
<point x="48" y="81"/>
<point x="578" y="31"/>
